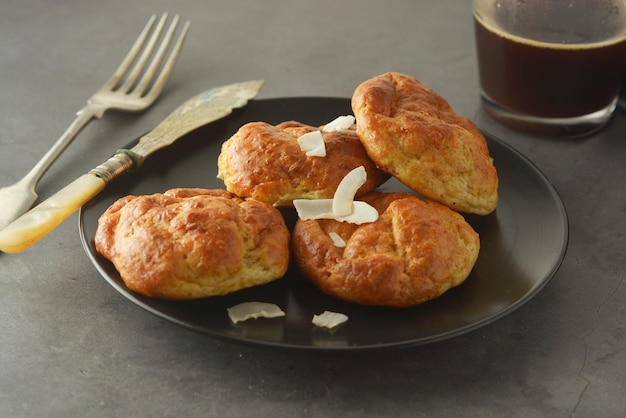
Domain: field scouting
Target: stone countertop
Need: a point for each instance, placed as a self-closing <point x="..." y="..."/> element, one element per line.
<point x="70" y="345"/>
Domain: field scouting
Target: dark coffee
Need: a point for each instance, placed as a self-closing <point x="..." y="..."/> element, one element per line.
<point x="551" y="80"/>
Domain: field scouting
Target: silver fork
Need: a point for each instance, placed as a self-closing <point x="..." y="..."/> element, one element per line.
<point x="133" y="87"/>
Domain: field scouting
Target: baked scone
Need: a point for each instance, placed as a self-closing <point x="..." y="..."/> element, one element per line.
<point x="266" y="163"/>
<point x="413" y="253"/>
<point x="193" y="243"/>
<point x="412" y="133"/>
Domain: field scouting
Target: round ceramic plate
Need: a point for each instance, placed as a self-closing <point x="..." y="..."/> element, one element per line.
<point x="522" y="245"/>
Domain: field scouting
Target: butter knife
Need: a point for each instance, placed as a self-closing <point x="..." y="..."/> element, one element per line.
<point x="204" y="108"/>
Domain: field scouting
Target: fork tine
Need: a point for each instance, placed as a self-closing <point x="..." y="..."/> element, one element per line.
<point x="130" y="57"/>
<point x="168" y="66"/>
<point x="148" y="75"/>
<point x="22" y="194"/>
<point x="131" y="78"/>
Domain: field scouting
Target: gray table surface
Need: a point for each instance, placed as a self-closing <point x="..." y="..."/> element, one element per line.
<point x="71" y="346"/>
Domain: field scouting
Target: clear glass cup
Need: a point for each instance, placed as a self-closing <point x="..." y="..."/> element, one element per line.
<point x="551" y="67"/>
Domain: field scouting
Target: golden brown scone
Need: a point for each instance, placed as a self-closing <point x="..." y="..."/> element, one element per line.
<point x="265" y="162"/>
<point x="413" y="253"/>
<point x="412" y="133"/>
<point x="193" y="243"/>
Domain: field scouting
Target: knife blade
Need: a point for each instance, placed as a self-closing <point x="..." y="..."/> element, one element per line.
<point x="200" y="110"/>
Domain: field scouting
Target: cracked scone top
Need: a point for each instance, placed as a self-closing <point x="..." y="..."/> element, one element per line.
<point x="413" y="134"/>
<point x="413" y="253"/>
<point x="193" y="243"/>
<point x="265" y="162"/>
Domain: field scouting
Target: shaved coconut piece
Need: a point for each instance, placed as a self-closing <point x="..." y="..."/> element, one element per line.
<point x="337" y="240"/>
<point x="344" y="195"/>
<point x="329" y="319"/>
<point x="249" y="310"/>
<point x="341" y="123"/>
<point x="314" y="208"/>
<point x="342" y="207"/>
<point x="362" y="213"/>
<point x="312" y="144"/>
<point x="322" y="209"/>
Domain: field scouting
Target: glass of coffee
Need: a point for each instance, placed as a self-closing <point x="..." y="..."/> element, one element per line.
<point x="551" y="67"/>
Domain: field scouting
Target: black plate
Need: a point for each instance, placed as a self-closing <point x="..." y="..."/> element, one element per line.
<point x="522" y="246"/>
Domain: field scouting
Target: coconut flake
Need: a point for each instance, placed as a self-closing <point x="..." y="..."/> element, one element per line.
<point x="314" y="208"/>
<point x="312" y="144"/>
<point x="346" y="190"/>
<point x="341" y="123"/>
<point x="322" y="209"/>
<point x="362" y="213"/>
<point x="337" y="240"/>
<point x="329" y="319"/>
<point x="250" y="310"/>
<point x="342" y="207"/>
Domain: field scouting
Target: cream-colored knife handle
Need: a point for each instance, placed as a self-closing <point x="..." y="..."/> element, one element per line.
<point x="43" y="218"/>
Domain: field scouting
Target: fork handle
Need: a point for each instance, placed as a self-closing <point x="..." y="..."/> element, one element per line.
<point x="83" y="117"/>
